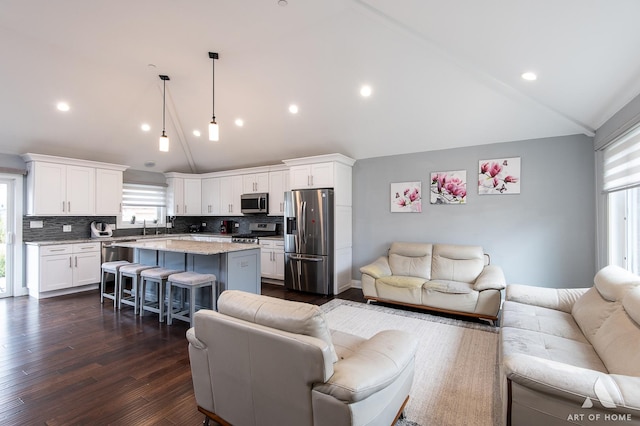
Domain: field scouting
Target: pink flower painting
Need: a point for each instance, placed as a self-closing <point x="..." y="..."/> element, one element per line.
<point x="500" y="176"/>
<point x="406" y="197"/>
<point x="449" y="187"/>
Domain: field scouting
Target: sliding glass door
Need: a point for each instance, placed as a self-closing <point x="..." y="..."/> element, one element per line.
<point x="6" y="237"/>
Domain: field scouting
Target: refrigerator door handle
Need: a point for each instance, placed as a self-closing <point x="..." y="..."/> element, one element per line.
<point x="303" y="228"/>
<point x="307" y="258"/>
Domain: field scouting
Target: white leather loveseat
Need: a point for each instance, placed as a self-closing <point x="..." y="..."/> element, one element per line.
<point x="266" y="361"/>
<point x="439" y="277"/>
<point x="572" y="356"/>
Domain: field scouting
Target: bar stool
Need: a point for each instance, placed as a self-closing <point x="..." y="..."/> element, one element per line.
<point x="190" y="281"/>
<point x="157" y="276"/>
<point x="130" y="296"/>
<point x="110" y="268"/>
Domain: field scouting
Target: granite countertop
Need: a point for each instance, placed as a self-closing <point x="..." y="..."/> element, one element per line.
<point x="190" y="247"/>
<point x="126" y="238"/>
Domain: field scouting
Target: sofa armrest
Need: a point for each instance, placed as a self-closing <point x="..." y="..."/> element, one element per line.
<point x="375" y="364"/>
<point x="573" y="383"/>
<point x="491" y="277"/>
<point x="378" y="269"/>
<point x="199" y="362"/>
<point x="561" y="299"/>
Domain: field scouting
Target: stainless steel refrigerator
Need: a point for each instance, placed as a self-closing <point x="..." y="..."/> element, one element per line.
<point x="308" y="240"/>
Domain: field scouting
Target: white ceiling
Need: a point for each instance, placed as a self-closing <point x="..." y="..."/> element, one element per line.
<point x="444" y="74"/>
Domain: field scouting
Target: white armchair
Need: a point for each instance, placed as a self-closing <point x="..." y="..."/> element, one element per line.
<point x="267" y="361"/>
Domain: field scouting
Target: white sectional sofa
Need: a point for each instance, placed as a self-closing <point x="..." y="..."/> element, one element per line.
<point x="440" y="277"/>
<point x="572" y="356"/>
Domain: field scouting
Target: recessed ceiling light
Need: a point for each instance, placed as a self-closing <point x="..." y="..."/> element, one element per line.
<point x="283" y="3"/>
<point x="196" y="133"/>
<point x="366" y="91"/>
<point x="293" y="109"/>
<point x="529" y="76"/>
<point x="63" y="106"/>
<point x="239" y="122"/>
<point x="145" y="127"/>
<point x="150" y="163"/>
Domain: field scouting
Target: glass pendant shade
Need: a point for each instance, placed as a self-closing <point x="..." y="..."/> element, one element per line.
<point x="214" y="133"/>
<point x="164" y="143"/>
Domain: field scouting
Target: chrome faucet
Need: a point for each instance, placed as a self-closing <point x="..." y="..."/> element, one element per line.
<point x="156" y="227"/>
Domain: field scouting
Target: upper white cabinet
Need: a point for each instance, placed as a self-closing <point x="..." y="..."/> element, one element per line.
<point x="278" y="184"/>
<point x="255" y="182"/>
<point x="184" y="195"/>
<point x="64" y="186"/>
<point x="211" y="196"/>
<point x="231" y="188"/>
<point x="317" y="175"/>
<point x="108" y="192"/>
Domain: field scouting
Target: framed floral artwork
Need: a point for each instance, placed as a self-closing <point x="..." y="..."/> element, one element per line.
<point x="449" y="187"/>
<point x="500" y="176"/>
<point x="406" y="197"/>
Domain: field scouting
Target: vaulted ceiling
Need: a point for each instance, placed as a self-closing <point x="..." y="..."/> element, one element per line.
<point x="443" y="74"/>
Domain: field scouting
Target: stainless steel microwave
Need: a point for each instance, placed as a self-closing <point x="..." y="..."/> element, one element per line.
<point x="254" y="203"/>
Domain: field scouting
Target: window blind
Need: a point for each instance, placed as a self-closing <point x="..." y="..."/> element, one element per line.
<point x="137" y="195"/>
<point x="622" y="162"/>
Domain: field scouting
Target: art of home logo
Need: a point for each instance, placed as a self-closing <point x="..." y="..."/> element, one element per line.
<point x="606" y="401"/>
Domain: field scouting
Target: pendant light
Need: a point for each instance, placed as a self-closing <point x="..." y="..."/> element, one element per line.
<point x="164" y="139"/>
<point x="214" y="132"/>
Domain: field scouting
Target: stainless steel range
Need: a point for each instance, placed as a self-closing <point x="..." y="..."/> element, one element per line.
<point x="256" y="230"/>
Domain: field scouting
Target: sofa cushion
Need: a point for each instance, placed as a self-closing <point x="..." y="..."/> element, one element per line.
<point x="541" y="319"/>
<point x="457" y="262"/>
<point x="285" y="315"/>
<point x="550" y="347"/>
<point x="591" y="310"/>
<point x="402" y="281"/>
<point x="453" y="287"/>
<point x="410" y="266"/>
<point x="613" y="282"/>
<point x="617" y="341"/>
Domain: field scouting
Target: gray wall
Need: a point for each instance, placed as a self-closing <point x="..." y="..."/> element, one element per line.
<point x="544" y="236"/>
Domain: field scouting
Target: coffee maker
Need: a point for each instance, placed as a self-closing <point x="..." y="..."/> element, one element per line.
<point x="226" y="226"/>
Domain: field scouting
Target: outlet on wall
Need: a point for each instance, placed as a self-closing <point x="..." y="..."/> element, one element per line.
<point x="66" y="228"/>
<point x="36" y="224"/>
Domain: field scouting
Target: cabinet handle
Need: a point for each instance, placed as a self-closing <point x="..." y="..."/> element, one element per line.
<point x="63" y="206"/>
<point x="311" y="180"/>
<point x="120" y="207"/>
<point x="70" y="265"/>
<point x="57" y="249"/>
<point x="185" y="209"/>
<point x="76" y="261"/>
<point x="69" y="204"/>
<point x="177" y="209"/>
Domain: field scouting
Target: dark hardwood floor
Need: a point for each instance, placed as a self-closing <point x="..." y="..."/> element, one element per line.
<point x="71" y="361"/>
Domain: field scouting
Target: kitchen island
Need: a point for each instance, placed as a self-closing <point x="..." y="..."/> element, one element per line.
<point x="235" y="265"/>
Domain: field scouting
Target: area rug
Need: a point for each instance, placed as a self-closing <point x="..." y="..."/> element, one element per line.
<point x="456" y="378"/>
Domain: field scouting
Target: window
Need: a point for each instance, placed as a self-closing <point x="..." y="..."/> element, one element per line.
<point x="142" y="204"/>
<point x="621" y="184"/>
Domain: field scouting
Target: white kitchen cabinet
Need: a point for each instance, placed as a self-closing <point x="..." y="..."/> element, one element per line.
<point x="278" y="184"/>
<point x="108" y="192"/>
<point x="319" y="175"/>
<point x="58" y="189"/>
<point x="62" y="268"/>
<point x="58" y="186"/>
<point x="184" y="196"/>
<point x="211" y="196"/>
<point x="272" y="259"/>
<point x="255" y="182"/>
<point x="230" y="191"/>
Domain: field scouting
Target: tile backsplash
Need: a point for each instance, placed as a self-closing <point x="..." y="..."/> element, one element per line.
<point x="52" y="226"/>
